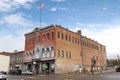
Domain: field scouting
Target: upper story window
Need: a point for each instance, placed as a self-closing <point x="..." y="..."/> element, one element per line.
<point x="75" y="40"/>
<point x="87" y="44"/>
<point x="69" y="54"/>
<point x="37" y="38"/>
<point x="58" y="35"/>
<point x="72" y="39"/>
<point x="52" y="34"/>
<point x="33" y="40"/>
<point x="66" y="54"/>
<point x="62" y="35"/>
<point x="66" y="37"/>
<point x="48" y="36"/>
<point x="58" y="53"/>
<point x="78" y="41"/>
<point x="43" y="36"/>
<point x="62" y="53"/>
<point x="69" y="38"/>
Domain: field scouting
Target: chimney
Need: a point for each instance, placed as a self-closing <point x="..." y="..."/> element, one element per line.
<point x="79" y="32"/>
<point x="15" y="50"/>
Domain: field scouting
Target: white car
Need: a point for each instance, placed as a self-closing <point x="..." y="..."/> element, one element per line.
<point x="3" y="76"/>
<point x="27" y="73"/>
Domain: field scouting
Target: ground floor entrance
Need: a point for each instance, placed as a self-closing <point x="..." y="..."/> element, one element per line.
<point x="40" y="67"/>
<point x="48" y="67"/>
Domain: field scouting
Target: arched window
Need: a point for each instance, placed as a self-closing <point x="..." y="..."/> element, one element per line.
<point x="48" y="52"/>
<point x="52" y="51"/>
<point x="52" y="48"/>
<point x="26" y="53"/>
<point x="33" y="52"/>
<point x="30" y="52"/>
<point x="43" y="52"/>
<point x="37" y="50"/>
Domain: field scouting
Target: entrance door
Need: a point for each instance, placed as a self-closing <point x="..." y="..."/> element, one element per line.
<point x="47" y="67"/>
<point x="37" y="69"/>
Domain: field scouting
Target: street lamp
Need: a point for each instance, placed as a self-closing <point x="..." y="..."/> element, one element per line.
<point x="93" y="63"/>
<point x="83" y="68"/>
<point x="118" y="60"/>
<point x="34" y="63"/>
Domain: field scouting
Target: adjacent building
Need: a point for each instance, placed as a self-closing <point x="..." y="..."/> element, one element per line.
<point x="4" y="61"/>
<point x="54" y="49"/>
<point x="16" y="60"/>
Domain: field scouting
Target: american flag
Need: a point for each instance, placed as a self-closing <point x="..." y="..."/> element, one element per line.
<point x="42" y="5"/>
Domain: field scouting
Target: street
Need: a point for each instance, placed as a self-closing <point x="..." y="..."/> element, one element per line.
<point x="106" y="76"/>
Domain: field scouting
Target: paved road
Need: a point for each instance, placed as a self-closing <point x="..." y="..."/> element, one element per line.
<point x="107" y="76"/>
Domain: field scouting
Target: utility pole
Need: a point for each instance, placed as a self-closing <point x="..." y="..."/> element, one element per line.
<point x="83" y="54"/>
<point x="118" y="60"/>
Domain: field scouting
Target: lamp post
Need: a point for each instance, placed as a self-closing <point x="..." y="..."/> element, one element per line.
<point x="93" y="63"/>
<point x="82" y="61"/>
<point x="118" y="60"/>
<point x="34" y="63"/>
<point x="83" y="54"/>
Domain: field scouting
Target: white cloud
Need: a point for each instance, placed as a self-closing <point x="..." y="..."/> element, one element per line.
<point x="8" y="5"/>
<point x="108" y="36"/>
<point x="23" y="1"/>
<point x="104" y="8"/>
<point x="58" y="0"/>
<point x="9" y="44"/>
<point x="16" y="20"/>
<point x="62" y="9"/>
<point x="12" y="35"/>
<point x="54" y="9"/>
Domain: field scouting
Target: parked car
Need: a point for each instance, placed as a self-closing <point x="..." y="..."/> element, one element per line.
<point x="3" y="76"/>
<point x="3" y="72"/>
<point x="118" y="69"/>
<point x="15" y="72"/>
<point x="27" y="73"/>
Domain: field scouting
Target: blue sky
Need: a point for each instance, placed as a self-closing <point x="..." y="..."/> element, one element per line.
<point x="98" y="20"/>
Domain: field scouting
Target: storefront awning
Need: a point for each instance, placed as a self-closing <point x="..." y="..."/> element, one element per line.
<point x="45" y="59"/>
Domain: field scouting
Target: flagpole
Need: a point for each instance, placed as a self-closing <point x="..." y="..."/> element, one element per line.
<point x="40" y="17"/>
<point x="41" y="7"/>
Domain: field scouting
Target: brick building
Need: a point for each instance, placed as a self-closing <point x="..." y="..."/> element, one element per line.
<point x="55" y="49"/>
<point x="4" y="61"/>
<point x="16" y="60"/>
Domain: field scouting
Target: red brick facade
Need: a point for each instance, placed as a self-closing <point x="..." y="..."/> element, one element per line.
<point x="61" y="50"/>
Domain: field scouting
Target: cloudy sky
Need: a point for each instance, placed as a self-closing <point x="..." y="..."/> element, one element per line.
<point x="98" y="20"/>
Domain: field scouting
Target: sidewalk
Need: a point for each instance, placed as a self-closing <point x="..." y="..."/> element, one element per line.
<point x="87" y="74"/>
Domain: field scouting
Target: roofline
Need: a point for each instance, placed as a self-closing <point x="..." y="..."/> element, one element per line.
<point x="55" y="25"/>
<point x="17" y="52"/>
<point x="39" y="29"/>
<point x="5" y="53"/>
